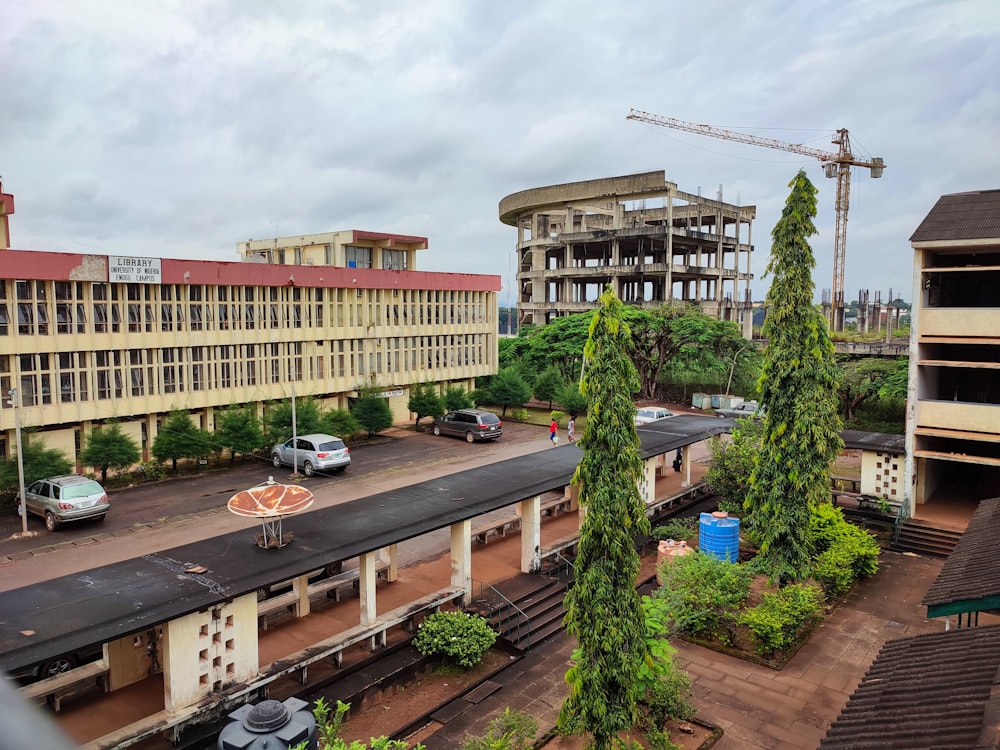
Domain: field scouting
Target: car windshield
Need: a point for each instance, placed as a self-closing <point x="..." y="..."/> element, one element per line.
<point x="83" y="489"/>
<point x="332" y="445"/>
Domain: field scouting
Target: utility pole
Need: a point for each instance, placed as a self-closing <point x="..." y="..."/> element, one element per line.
<point x="15" y="401"/>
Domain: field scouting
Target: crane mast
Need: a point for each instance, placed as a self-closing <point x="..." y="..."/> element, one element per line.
<point x="835" y="164"/>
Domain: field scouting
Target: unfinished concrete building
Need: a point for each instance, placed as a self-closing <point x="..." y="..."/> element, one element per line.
<point x="652" y="242"/>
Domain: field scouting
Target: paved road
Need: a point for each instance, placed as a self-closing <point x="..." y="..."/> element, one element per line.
<point x="183" y="510"/>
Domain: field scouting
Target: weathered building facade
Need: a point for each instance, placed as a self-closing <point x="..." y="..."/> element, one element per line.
<point x="652" y="242"/>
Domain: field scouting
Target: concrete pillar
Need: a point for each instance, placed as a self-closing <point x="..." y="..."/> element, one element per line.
<point x="461" y="557"/>
<point x="300" y="586"/>
<point x="366" y="587"/>
<point x="390" y="555"/>
<point x="686" y="466"/>
<point x="531" y="534"/>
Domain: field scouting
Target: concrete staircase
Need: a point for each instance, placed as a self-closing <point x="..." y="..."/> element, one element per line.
<point x="924" y="539"/>
<point x="524" y="610"/>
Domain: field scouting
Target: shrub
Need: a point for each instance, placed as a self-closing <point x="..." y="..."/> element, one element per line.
<point x="520" y="415"/>
<point x="462" y="637"/>
<point x="845" y="552"/>
<point x="779" y="617"/>
<point x="512" y="730"/>
<point x="151" y="471"/>
<point x="702" y="595"/>
<point x="678" y="529"/>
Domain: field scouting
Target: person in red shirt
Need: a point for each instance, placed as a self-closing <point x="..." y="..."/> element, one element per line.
<point x="553" y="432"/>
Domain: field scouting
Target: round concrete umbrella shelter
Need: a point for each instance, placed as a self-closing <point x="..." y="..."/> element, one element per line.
<point x="271" y="502"/>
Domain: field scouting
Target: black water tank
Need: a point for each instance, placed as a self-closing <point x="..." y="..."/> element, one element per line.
<point x="270" y="725"/>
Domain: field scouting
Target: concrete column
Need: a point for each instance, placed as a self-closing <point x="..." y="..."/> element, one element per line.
<point x="531" y="534"/>
<point x="366" y="587"/>
<point x="686" y="466"/>
<point x="461" y="557"/>
<point x="300" y="586"/>
<point x="390" y="555"/>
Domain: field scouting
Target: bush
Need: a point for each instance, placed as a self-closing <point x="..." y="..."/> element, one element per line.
<point x="678" y="529"/>
<point x="462" y="637"/>
<point x="845" y="552"/>
<point x="702" y="595"/>
<point x="520" y="415"/>
<point x="151" y="471"/>
<point x="512" y="730"/>
<point x="779" y="617"/>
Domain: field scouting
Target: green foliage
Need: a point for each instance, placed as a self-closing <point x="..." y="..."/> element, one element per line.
<point x="507" y="388"/>
<point x="557" y="344"/>
<point x="39" y="462"/>
<point x="456" y="397"/>
<point x="521" y="415"/>
<point x="665" y="686"/>
<point x="372" y="411"/>
<point x="279" y="419"/>
<point x="548" y="385"/>
<point x="425" y="401"/>
<point x="328" y="731"/>
<point x="604" y="612"/>
<point x="777" y="620"/>
<point x="339" y="422"/>
<point x="733" y="462"/>
<point x="678" y="529"/>
<point x="571" y="400"/>
<point x="151" y="471"/>
<point x="238" y="429"/>
<point x="462" y="637"/>
<point x="512" y="730"/>
<point x="798" y="391"/>
<point x="178" y="438"/>
<point x="881" y="414"/>
<point x="846" y="552"/>
<point x="108" y="447"/>
<point x="702" y="595"/>
<point x="558" y="416"/>
<point x="864" y="379"/>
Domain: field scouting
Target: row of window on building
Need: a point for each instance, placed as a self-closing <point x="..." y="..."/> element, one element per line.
<point x="97" y="307"/>
<point x="82" y="376"/>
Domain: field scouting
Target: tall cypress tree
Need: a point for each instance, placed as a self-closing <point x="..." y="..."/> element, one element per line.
<point x="798" y="391"/>
<point x="604" y="611"/>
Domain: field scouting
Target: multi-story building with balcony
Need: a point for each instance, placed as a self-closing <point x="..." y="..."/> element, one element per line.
<point x="88" y="338"/>
<point x="652" y="242"/>
<point x="953" y="410"/>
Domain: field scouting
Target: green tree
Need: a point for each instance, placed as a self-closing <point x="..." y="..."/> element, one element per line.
<point x="425" y="402"/>
<point x="372" y="411"/>
<point x="109" y="448"/>
<point x="339" y="422"/>
<point x="571" y="400"/>
<point x="861" y="379"/>
<point x="238" y="429"/>
<point x="506" y="388"/>
<point x="39" y="462"/>
<point x="548" y="385"/>
<point x="456" y="397"/>
<point x="179" y="437"/>
<point x="798" y="391"/>
<point x="894" y="385"/>
<point x="557" y="344"/>
<point x="279" y="419"/>
<point x="603" y="610"/>
<point x="733" y="462"/>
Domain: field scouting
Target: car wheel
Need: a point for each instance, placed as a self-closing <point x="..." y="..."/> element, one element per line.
<point x="307" y="469"/>
<point x="470" y="438"/>
<point x="100" y="518"/>
<point x="436" y="430"/>
<point x="51" y="522"/>
<point x="720" y="416"/>
<point x="276" y="460"/>
<point x="333" y="569"/>
<point x="58" y="666"/>
<point x="262" y="594"/>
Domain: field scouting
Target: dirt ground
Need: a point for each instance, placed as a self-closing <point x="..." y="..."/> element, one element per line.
<point x="683" y="734"/>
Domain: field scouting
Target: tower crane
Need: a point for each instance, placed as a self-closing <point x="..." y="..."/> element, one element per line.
<point x="834" y="165"/>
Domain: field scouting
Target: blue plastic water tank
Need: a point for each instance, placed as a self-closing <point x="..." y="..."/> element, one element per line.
<point x="719" y="536"/>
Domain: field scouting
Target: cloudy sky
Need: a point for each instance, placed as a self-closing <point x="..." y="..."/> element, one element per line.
<point x="177" y="128"/>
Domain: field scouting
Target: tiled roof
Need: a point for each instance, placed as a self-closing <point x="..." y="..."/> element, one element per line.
<point x="926" y="692"/>
<point x="962" y="216"/>
<point x="972" y="571"/>
<point x="874" y="441"/>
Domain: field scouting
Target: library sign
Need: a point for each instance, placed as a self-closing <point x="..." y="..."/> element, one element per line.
<point x="130" y="269"/>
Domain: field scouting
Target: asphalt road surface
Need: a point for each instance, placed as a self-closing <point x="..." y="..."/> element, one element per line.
<point x="392" y="457"/>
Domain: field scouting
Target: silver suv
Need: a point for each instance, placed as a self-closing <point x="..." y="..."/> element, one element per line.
<point x="472" y="424"/>
<point x="312" y="453"/>
<point x="67" y="498"/>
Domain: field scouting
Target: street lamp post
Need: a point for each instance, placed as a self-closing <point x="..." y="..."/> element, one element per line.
<point x="15" y="401"/>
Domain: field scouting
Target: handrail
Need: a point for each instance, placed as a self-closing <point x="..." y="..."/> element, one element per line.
<point x="505" y="610"/>
<point x="565" y="569"/>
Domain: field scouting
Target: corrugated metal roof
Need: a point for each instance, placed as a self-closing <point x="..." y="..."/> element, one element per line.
<point x="962" y="216"/>
<point x="972" y="571"/>
<point x="926" y="692"/>
<point x="874" y="441"/>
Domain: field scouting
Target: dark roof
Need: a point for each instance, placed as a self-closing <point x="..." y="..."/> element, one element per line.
<point x="969" y="580"/>
<point x="962" y="216"/>
<point x="926" y="692"/>
<point x="874" y="441"/>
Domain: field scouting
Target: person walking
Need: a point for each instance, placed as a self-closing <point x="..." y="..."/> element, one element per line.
<point x="571" y="429"/>
<point x="554" y="432"/>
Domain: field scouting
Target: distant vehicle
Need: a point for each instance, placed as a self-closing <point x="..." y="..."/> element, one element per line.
<point x="746" y="409"/>
<point x="331" y="569"/>
<point x="472" y="424"/>
<point x="70" y="497"/>
<point x="317" y="452"/>
<point x="648" y="414"/>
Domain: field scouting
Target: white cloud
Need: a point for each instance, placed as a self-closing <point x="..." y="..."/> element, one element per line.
<point x="178" y="128"/>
